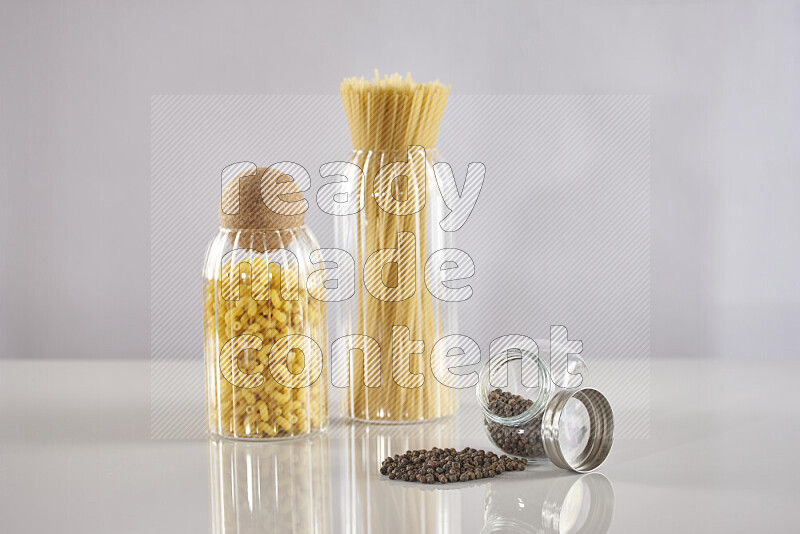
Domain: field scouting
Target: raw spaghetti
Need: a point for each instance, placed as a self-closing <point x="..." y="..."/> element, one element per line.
<point x="385" y="117"/>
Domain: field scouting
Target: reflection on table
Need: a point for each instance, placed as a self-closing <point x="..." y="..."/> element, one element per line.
<point x="259" y="487"/>
<point x="550" y="504"/>
<point x="287" y="487"/>
<point x="374" y="504"/>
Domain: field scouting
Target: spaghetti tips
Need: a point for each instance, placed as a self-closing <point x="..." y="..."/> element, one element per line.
<point x="394" y="112"/>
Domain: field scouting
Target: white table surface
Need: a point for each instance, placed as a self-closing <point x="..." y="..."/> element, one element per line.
<point x="76" y="456"/>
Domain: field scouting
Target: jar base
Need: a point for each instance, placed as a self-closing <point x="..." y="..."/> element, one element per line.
<point x="396" y="422"/>
<point x="266" y="440"/>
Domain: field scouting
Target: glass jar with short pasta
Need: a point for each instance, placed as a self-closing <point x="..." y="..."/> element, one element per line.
<point x="264" y="317"/>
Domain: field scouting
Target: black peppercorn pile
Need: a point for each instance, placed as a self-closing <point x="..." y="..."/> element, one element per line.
<point x="523" y="440"/>
<point x="448" y="465"/>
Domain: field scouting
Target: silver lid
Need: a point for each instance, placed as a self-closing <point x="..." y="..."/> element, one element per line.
<point x="578" y="429"/>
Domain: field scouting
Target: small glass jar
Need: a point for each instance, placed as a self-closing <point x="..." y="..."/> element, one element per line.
<point x="533" y="418"/>
<point x="264" y="329"/>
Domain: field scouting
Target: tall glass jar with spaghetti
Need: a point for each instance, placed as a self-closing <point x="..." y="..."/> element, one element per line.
<point x="392" y="227"/>
<point x="263" y="312"/>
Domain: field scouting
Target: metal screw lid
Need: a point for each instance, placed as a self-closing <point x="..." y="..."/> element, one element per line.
<point x="598" y="430"/>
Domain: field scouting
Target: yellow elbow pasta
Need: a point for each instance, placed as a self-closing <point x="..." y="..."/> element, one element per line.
<point x="269" y="410"/>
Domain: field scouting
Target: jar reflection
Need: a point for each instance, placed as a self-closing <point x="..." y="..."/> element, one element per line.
<point x="374" y="504"/>
<point x="261" y="487"/>
<point x="560" y="504"/>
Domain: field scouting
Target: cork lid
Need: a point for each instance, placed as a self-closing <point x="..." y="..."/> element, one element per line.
<point x="263" y="198"/>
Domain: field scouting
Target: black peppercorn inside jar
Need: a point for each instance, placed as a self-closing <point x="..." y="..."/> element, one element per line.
<point x="522" y="440"/>
<point x="525" y="414"/>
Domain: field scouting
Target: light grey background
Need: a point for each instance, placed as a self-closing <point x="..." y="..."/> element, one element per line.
<point x="559" y="235"/>
<point x="77" y="80"/>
